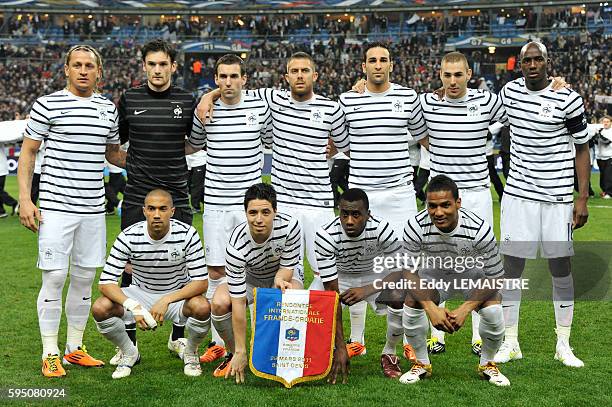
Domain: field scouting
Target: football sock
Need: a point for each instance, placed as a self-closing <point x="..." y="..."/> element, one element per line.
<point x="491" y="331"/>
<point x="395" y="330"/>
<point x="78" y="305"/>
<point x="435" y="333"/>
<point x="563" y="334"/>
<point x="212" y="288"/>
<point x="223" y="324"/>
<point x="415" y="325"/>
<point x="49" y="305"/>
<point x="476" y="327"/>
<point x="113" y="329"/>
<point x="197" y="331"/>
<point x="563" y="300"/>
<point x="511" y="304"/>
<point x="358" y="320"/>
<point x="178" y="331"/>
<point x="130" y="329"/>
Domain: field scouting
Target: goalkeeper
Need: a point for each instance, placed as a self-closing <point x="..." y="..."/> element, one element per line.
<point x="168" y="282"/>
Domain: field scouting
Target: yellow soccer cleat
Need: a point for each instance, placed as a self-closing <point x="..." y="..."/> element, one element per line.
<point x="52" y="367"/>
<point x="82" y="358"/>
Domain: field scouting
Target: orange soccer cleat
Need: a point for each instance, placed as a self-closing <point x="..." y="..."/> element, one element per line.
<point x="355" y="349"/>
<point x="224" y="367"/>
<point x="409" y="353"/>
<point x="213" y="353"/>
<point x="82" y="358"/>
<point x="52" y="367"/>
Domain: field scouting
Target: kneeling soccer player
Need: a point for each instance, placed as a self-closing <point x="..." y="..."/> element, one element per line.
<point x="168" y="282"/>
<point x="262" y="252"/>
<point x="446" y="231"/>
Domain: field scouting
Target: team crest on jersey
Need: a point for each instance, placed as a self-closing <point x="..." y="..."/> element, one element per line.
<point x="103" y="114"/>
<point x="178" y="111"/>
<point x="546" y="110"/>
<point x="175" y="254"/>
<point x="48" y="253"/>
<point x="251" y="119"/>
<point x="277" y="249"/>
<point x="316" y="115"/>
<point x="397" y="105"/>
<point x="292" y="334"/>
<point x="370" y="248"/>
<point x="473" y="109"/>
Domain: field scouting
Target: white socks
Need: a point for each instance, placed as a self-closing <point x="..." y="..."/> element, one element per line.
<point x="394" y="330"/>
<point x="415" y="324"/>
<point x="212" y="288"/>
<point x="476" y="327"/>
<point x="223" y="325"/>
<point x="358" y="321"/>
<point x="78" y="305"/>
<point x="511" y="304"/>
<point x="113" y="329"/>
<point x="49" y="305"/>
<point x="563" y="300"/>
<point x="197" y="331"/>
<point x="435" y="333"/>
<point x="491" y="331"/>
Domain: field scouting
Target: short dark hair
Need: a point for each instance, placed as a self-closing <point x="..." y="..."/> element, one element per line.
<point x="230" y="59"/>
<point x="356" y="195"/>
<point x="443" y="183"/>
<point x="260" y="191"/>
<point x="302" y="55"/>
<point x="160" y="192"/>
<point x="375" y="44"/>
<point x="158" y="45"/>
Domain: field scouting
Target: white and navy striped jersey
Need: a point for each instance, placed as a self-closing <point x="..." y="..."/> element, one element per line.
<point x="257" y="264"/>
<point x="472" y="238"/>
<point x="458" y="135"/>
<point x="76" y="131"/>
<point x="159" y="266"/>
<point x="233" y="142"/>
<point x="544" y="125"/>
<point x="338" y="253"/>
<point x="300" y="174"/>
<point x="378" y="125"/>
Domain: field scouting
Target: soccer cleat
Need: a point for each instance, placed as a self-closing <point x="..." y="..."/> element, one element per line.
<point x="477" y="347"/>
<point x="192" y="364"/>
<point x="491" y="372"/>
<point x="224" y="367"/>
<point x="417" y="372"/>
<point x="565" y="355"/>
<point x="52" y="367"/>
<point x="409" y="353"/>
<point x="213" y="352"/>
<point x="118" y="355"/>
<point x="124" y="368"/>
<point x="3" y="215"/>
<point x="390" y="366"/>
<point x="177" y="346"/>
<point x="355" y="349"/>
<point x="508" y="351"/>
<point x="434" y="346"/>
<point x="82" y="358"/>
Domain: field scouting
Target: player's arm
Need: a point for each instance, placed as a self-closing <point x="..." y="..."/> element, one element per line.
<point x="576" y="124"/>
<point x="196" y="133"/>
<point x="29" y="214"/>
<point x="239" y="361"/>
<point x="204" y="111"/>
<point x="340" y="362"/>
<point x="290" y="257"/>
<point x="124" y="126"/>
<point x="283" y="277"/>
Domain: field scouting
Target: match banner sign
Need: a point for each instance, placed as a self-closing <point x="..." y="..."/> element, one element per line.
<point x="293" y="337"/>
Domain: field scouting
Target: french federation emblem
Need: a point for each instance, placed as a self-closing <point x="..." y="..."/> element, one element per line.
<point x="178" y="112"/>
<point x="174" y="254"/>
<point x="292" y="334"/>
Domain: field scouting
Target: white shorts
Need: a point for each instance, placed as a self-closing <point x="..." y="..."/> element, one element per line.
<point x="147" y="299"/>
<point x="527" y="226"/>
<point x="395" y="205"/>
<point x="346" y="281"/>
<point x="479" y="201"/>
<point x="65" y="239"/>
<point x="216" y="230"/>
<point x="311" y="219"/>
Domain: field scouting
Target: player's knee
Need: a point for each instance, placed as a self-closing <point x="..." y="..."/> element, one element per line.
<point x="560" y="267"/>
<point x="513" y="266"/>
<point x="102" y="309"/>
<point x="216" y="272"/>
<point x="198" y="308"/>
<point x="296" y="284"/>
<point x="221" y="304"/>
<point x="410" y="302"/>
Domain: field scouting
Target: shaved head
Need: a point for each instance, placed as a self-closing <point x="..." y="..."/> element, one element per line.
<point x="161" y="193"/>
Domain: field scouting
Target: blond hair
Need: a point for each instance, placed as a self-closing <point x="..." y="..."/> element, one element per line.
<point x="97" y="58"/>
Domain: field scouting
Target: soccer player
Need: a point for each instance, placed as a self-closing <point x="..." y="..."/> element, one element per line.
<point x="346" y="248"/>
<point x="537" y="211"/>
<point x="302" y="123"/>
<point x="378" y="122"/>
<point x="79" y="128"/>
<point x="168" y="279"/>
<point x="458" y="124"/>
<point x="262" y="252"/>
<point x="233" y="141"/>
<point x="442" y="231"/>
<point x="155" y="118"/>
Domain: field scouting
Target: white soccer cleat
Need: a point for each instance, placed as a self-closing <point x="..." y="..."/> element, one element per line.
<point x="417" y="372"/>
<point x="177" y="346"/>
<point x="192" y="364"/>
<point x="508" y="351"/>
<point x="565" y="355"/>
<point x="124" y="368"/>
<point x="491" y="372"/>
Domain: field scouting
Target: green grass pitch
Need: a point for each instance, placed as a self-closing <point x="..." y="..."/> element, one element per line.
<point x="159" y="381"/>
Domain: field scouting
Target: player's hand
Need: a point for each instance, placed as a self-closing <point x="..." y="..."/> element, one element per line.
<point x="457" y="318"/>
<point x="340" y="366"/>
<point x="128" y="268"/>
<point x="353" y="295"/>
<point x="237" y="365"/>
<point x="439" y="93"/>
<point x="204" y="110"/>
<point x="159" y="309"/>
<point x="140" y="321"/>
<point x="29" y="215"/>
<point x="440" y="319"/>
<point x="581" y="213"/>
<point x="359" y="86"/>
<point x="558" y="83"/>
<point x="330" y="150"/>
<point x="281" y="284"/>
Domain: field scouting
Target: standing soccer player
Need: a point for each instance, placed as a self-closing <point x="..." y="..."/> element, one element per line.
<point x="155" y="118"/>
<point x="233" y="142"/>
<point x="537" y="211"/>
<point x="79" y="128"/>
<point x="458" y="124"/>
<point x="262" y="252"/>
<point x="169" y="281"/>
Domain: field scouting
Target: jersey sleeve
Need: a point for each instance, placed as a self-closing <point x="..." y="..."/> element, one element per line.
<point x="413" y="238"/>
<point x="194" y="256"/>
<point x="486" y="246"/>
<point x="113" y="135"/>
<point x="498" y="111"/>
<point x="235" y="269"/>
<point x="124" y="127"/>
<point x="265" y="94"/>
<point x="416" y="120"/>
<point x="339" y="132"/>
<point x="116" y="261"/>
<point x="39" y="123"/>
<point x="325" y="251"/>
<point x="266" y="129"/>
<point x="197" y="137"/>
<point x="293" y="246"/>
<point x="387" y="239"/>
<point x="575" y="120"/>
